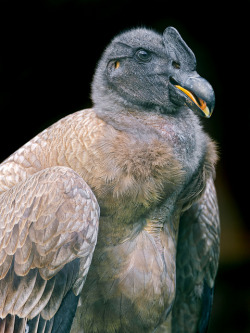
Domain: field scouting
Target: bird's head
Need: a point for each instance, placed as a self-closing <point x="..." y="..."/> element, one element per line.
<point x="142" y="69"/>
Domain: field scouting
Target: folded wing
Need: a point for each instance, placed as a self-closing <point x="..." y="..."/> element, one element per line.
<point x="48" y="232"/>
<point x="197" y="263"/>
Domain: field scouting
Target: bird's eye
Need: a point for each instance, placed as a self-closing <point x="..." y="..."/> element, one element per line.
<point x="176" y="65"/>
<point x="117" y="64"/>
<point x="143" y="55"/>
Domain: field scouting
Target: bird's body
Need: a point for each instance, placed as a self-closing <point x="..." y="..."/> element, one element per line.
<point x="144" y="170"/>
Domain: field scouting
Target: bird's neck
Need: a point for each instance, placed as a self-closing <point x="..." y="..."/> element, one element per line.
<point x="181" y="131"/>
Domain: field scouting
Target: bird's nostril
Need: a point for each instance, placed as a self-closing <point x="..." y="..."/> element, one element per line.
<point x="173" y="81"/>
<point x="176" y="65"/>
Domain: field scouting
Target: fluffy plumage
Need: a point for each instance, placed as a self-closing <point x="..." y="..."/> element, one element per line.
<point x="115" y="205"/>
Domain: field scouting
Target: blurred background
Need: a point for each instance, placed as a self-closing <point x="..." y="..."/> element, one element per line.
<point x="48" y="53"/>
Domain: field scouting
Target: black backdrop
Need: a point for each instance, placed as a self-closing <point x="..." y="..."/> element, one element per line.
<point x="48" y="53"/>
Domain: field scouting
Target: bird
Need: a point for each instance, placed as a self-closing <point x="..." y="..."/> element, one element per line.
<point x="109" y="217"/>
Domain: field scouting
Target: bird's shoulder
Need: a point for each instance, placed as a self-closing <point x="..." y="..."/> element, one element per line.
<point x="56" y="145"/>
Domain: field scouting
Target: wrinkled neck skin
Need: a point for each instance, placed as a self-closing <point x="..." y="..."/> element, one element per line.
<point x="137" y="292"/>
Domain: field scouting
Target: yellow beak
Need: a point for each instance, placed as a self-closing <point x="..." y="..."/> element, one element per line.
<point x="198" y="101"/>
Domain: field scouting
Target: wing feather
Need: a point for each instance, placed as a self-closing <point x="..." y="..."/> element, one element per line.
<point x="197" y="261"/>
<point x="48" y="232"/>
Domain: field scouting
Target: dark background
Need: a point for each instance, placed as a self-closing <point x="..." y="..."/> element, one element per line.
<point x="48" y="53"/>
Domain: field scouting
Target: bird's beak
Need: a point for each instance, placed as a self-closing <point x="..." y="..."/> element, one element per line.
<point x="198" y="94"/>
<point x="198" y="101"/>
<point x="187" y="84"/>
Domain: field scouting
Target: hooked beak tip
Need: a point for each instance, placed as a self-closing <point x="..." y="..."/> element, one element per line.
<point x="201" y="104"/>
